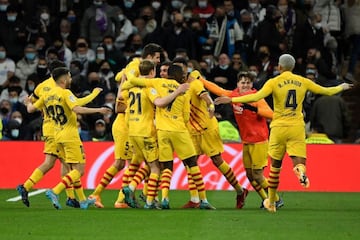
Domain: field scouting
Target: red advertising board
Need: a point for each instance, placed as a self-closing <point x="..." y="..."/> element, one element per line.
<point x="331" y="168"/>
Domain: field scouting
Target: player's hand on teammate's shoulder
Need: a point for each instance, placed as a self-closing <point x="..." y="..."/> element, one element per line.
<point x="222" y="100"/>
<point x="183" y="88"/>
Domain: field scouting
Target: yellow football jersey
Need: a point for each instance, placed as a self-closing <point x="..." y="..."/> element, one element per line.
<point x="199" y="115"/>
<point x="141" y="111"/>
<point x="58" y="104"/>
<point x="39" y="91"/>
<point x="175" y="116"/>
<point x="288" y="91"/>
<point x="132" y="69"/>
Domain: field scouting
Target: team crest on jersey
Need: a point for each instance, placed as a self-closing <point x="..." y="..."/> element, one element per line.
<point x="153" y="91"/>
<point x="72" y="98"/>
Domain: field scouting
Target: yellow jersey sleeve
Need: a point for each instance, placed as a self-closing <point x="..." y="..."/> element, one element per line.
<point x="85" y="100"/>
<point x="265" y="91"/>
<point x="70" y="99"/>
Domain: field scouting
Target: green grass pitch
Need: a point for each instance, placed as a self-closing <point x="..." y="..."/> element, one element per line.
<point x="306" y="215"/>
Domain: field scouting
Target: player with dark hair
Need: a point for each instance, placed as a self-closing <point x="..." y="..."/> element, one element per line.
<point x="204" y="131"/>
<point x="287" y="127"/>
<point x="50" y="150"/>
<point x="120" y="132"/>
<point x="173" y="134"/>
<point x="62" y="107"/>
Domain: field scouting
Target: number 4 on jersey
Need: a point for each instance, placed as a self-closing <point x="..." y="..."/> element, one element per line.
<point x="291" y="99"/>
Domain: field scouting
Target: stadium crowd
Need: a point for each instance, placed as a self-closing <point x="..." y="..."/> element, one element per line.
<point x="219" y="38"/>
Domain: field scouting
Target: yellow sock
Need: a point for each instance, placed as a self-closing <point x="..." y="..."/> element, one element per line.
<point x="261" y="191"/>
<point x="70" y="192"/>
<point x="273" y="181"/>
<point x="228" y="173"/>
<point x="145" y="187"/>
<point x="165" y="183"/>
<point x="194" y="194"/>
<point x="152" y="186"/>
<point x="106" y="179"/>
<point x="199" y="182"/>
<point x="73" y="176"/>
<point x="34" y="178"/>
<point x="79" y="190"/>
<point x="139" y="176"/>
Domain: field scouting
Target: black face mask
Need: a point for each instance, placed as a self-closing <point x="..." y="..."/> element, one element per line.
<point x="263" y="55"/>
<point x="146" y="18"/>
<point x="179" y="24"/>
<point x="246" y="25"/>
<point x="105" y="71"/>
<point x="4" y="110"/>
<point x="94" y="83"/>
<point x="41" y="71"/>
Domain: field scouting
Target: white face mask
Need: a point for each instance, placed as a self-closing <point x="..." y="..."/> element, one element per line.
<point x="224" y="67"/>
<point x="318" y="25"/>
<point x="101" y="56"/>
<point x="19" y="120"/>
<point x="202" y="4"/>
<point x="156" y="5"/>
<point x="15" y="133"/>
<point x="252" y="5"/>
<point x="14" y="100"/>
<point x="44" y="16"/>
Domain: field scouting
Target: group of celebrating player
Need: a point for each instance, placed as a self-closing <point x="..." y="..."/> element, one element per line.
<point x="159" y="116"/>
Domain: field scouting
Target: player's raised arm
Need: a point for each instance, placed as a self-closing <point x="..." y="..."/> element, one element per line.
<point x="85" y="100"/>
<point x="164" y="101"/>
<point x="212" y="87"/>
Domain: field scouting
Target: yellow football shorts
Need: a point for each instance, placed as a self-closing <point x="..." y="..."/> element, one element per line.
<point x="255" y="156"/>
<point x="145" y="148"/>
<point x="120" y="132"/>
<point x="73" y="152"/>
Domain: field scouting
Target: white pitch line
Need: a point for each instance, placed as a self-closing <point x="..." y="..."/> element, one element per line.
<point x="18" y="198"/>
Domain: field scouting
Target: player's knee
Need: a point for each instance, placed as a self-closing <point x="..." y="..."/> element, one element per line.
<point x="167" y="165"/>
<point x="119" y="164"/>
<point x="276" y="163"/>
<point x="190" y="162"/>
<point x="258" y="175"/>
<point x="217" y="160"/>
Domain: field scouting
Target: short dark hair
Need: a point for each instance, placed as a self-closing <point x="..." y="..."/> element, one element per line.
<point x="151" y="49"/>
<point x="58" y="72"/>
<point x="176" y="72"/>
<point x="146" y="66"/>
<point x="180" y="60"/>
<point x="56" y="64"/>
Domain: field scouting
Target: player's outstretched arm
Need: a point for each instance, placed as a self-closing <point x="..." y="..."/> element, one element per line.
<point x="86" y="110"/>
<point x="85" y="100"/>
<point x="29" y="105"/>
<point x="212" y="87"/>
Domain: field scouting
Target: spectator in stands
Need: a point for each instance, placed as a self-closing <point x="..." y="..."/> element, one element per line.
<point x="98" y="21"/>
<point x="352" y="31"/>
<point x="204" y="10"/>
<point x="179" y="36"/>
<point x="288" y="20"/>
<point x="13" y="33"/>
<point x="332" y="113"/>
<point x="257" y="11"/>
<point x="84" y="54"/>
<point x="47" y="22"/>
<point x="158" y="7"/>
<point x="107" y="76"/>
<point x="114" y="56"/>
<point x="173" y="6"/>
<point x="134" y="43"/>
<point x="7" y="68"/>
<point x="74" y="20"/>
<point x="63" y="52"/>
<point x="265" y="65"/>
<point x="78" y="82"/>
<point x="94" y="81"/>
<point x="4" y="4"/>
<point x="66" y="34"/>
<point x="237" y="63"/>
<point x="27" y="65"/>
<point x="31" y="82"/>
<point x="13" y="82"/>
<point x="309" y="35"/>
<point x="100" y="134"/>
<point x="5" y="111"/>
<point x="248" y="26"/>
<point x="14" y="98"/>
<point x="125" y="29"/>
<point x="148" y="16"/>
<point x="223" y="34"/>
<point x="83" y="128"/>
<point x="223" y="75"/>
<point x="41" y="45"/>
<point x="42" y="69"/>
<point x="130" y="8"/>
<point x="270" y="27"/>
<point x="12" y="131"/>
<point x="231" y="12"/>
